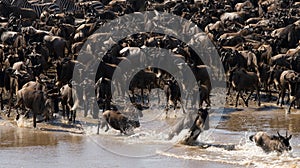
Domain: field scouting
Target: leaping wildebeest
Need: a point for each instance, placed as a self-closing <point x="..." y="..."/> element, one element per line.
<point x="119" y="121"/>
<point x="200" y="124"/>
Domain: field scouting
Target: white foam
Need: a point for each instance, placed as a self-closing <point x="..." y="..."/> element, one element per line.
<point x="24" y="122"/>
<point x="245" y="154"/>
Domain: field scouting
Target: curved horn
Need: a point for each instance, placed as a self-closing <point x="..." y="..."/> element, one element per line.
<point x="279" y="134"/>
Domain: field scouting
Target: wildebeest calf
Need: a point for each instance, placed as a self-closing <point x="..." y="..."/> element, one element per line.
<point x="272" y="143"/>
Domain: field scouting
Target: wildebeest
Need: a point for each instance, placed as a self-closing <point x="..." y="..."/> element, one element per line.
<point x="144" y="80"/>
<point x="243" y="80"/>
<point x="6" y="10"/>
<point x="69" y="101"/>
<point x="35" y="100"/>
<point x="295" y="92"/>
<point x="200" y="124"/>
<point x="56" y="45"/>
<point x="103" y="93"/>
<point x="296" y="95"/>
<point x="286" y="37"/>
<point x="287" y="79"/>
<point x="272" y="143"/>
<point x="172" y="93"/>
<point x="118" y="121"/>
<point x="2" y="86"/>
<point x="64" y="70"/>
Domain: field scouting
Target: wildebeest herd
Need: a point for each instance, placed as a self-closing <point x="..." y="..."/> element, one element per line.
<point x="257" y="41"/>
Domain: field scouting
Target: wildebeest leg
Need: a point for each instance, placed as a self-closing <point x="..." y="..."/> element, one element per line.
<point x="107" y="126"/>
<point x="133" y="98"/>
<point x="228" y="91"/>
<point x="56" y="105"/>
<point x="101" y="123"/>
<point x="279" y="93"/>
<point x="122" y="127"/>
<point x="247" y="100"/>
<point x="47" y="115"/>
<point x="1" y="99"/>
<point x="268" y="90"/>
<point x="288" y="96"/>
<point x="200" y="101"/>
<point x="9" y="103"/>
<point x="290" y="106"/>
<point x="282" y="95"/>
<point x="207" y="101"/>
<point x="237" y="98"/>
<point x="258" y="96"/>
<point x="175" y="107"/>
<point x="64" y="111"/>
<point x="34" y="119"/>
<point x="19" y="102"/>
<point x="73" y="116"/>
<point x="68" y="111"/>
<point x="95" y="110"/>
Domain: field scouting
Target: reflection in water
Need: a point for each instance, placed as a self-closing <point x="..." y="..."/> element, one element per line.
<point x="251" y="120"/>
<point x="21" y="137"/>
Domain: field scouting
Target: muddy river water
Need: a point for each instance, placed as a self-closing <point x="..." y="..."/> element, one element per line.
<point x="149" y="147"/>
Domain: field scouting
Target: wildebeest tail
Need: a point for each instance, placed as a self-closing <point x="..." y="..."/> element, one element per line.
<point x="75" y="99"/>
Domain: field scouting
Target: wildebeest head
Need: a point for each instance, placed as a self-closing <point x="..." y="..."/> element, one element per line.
<point x="134" y="123"/>
<point x="284" y="142"/>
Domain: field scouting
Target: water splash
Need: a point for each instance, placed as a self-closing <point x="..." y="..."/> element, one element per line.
<point x="246" y="154"/>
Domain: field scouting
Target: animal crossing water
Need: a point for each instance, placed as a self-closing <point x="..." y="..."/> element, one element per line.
<point x="149" y="146"/>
